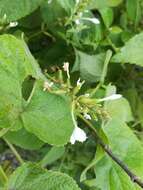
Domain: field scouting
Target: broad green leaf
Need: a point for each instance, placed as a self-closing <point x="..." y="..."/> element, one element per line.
<point x="48" y="116"/>
<point x="89" y="66"/>
<point x="131" y="52"/>
<point x="44" y="114"/>
<point x="16" y="63"/>
<point x="15" y="9"/>
<point x="53" y="154"/>
<point x="32" y="177"/>
<point x="128" y="148"/>
<point x="24" y="139"/>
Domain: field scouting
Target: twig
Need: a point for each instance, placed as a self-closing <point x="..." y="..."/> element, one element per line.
<point x="107" y="149"/>
<point x="14" y="151"/>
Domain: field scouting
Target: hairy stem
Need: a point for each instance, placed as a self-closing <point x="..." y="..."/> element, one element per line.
<point x="107" y="149"/>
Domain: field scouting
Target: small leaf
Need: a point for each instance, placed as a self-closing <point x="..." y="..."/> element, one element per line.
<point x="32" y="177"/>
<point x="131" y="52"/>
<point x="54" y="154"/>
<point x="120" y="108"/>
<point x="98" y="4"/>
<point x="107" y="15"/>
<point x="90" y="66"/>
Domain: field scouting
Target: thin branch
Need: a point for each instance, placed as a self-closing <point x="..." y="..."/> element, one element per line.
<point x="107" y="149"/>
<point x="17" y="155"/>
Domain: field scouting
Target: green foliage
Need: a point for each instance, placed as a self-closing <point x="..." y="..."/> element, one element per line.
<point x="32" y="177"/>
<point x="15" y="10"/>
<point x="89" y="66"/>
<point x="24" y="139"/>
<point x="48" y="116"/>
<point x="124" y="143"/>
<point x="131" y="52"/>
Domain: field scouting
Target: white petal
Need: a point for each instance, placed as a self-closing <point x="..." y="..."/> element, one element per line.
<point x="79" y="83"/>
<point x="78" y="135"/>
<point x="94" y="20"/>
<point x="49" y="1"/>
<point x="13" y="24"/>
<point x="112" y="97"/>
<point x="77" y="1"/>
<point x="77" y="21"/>
<point x="66" y="66"/>
<point x="87" y="116"/>
<point x="47" y="85"/>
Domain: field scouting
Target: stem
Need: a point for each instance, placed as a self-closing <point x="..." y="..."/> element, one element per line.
<point x="17" y="155"/>
<point x="107" y="149"/>
<point x="106" y="62"/>
<point x="3" y="177"/>
<point x="112" y="45"/>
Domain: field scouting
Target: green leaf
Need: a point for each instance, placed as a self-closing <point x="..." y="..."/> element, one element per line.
<point x="127" y="148"/>
<point x="54" y="154"/>
<point x="107" y="15"/>
<point x="98" y="4"/>
<point x="14" y="10"/>
<point x="16" y="63"/>
<point x="131" y="52"/>
<point x="90" y="66"/>
<point x="54" y="13"/>
<point x="120" y="108"/>
<point x="32" y="177"/>
<point x="24" y="139"/>
<point x="48" y="116"/>
<point x="133" y="10"/>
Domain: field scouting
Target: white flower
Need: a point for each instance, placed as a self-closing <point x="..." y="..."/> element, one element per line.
<point x="47" y="85"/>
<point x="78" y="135"/>
<point x="49" y="1"/>
<point x="77" y="1"/>
<point x="66" y="68"/>
<point x="112" y="97"/>
<point x="87" y="95"/>
<point x="87" y="116"/>
<point x="4" y="16"/>
<point x="77" y="21"/>
<point x="94" y="20"/>
<point x="13" y="24"/>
